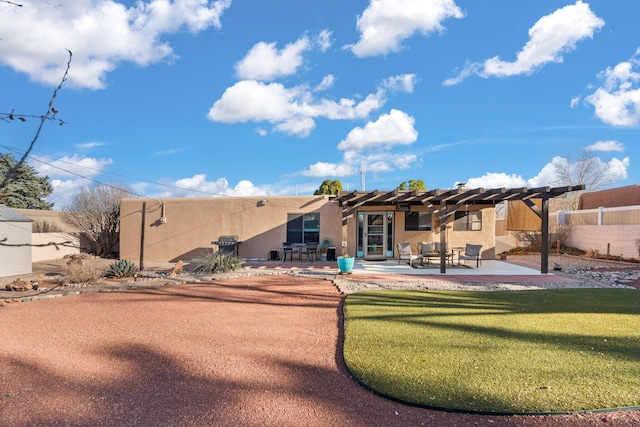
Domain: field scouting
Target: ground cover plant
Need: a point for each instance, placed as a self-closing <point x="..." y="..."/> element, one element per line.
<point x="217" y="262"/>
<point x="515" y="352"/>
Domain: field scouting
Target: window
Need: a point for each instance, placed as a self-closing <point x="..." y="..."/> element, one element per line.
<point x="468" y="221"/>
<point x="303" y="228"/>
<point x="417" y="221"/>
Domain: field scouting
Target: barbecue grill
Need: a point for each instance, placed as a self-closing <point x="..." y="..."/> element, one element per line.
<point x="227" y="244"/>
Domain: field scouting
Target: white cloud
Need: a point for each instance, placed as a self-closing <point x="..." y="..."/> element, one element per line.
<point x="574" y="101"/>
<point x="323" y="40"/>
<point x="400" y="83"/>
<point x="394" y="128"/>
<point x="265" y="62"/>
<point x="354" y="162"/>
<point x="198" y="184"/>
<point x="549" y="38"/>
<point x="496" y="180"/>
<point x="291" y="110"/>
<point x="70" y="166"/>
<point x="89" y="145"/>
<point x="369" y="148"/>
<point x="617" y="102"/>
<point x="615" y="169"/>
<point x="100" y="33"/>
<point x="323" y="169"/>
<point x="64" y="190"/>
<point x="326" y="83"/>
<point x="386" y="23"/>
<point x="605" y="146"/>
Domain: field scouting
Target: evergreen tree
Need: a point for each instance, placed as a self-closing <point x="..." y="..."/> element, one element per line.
<point x="330" y="187"/>
<point x="24" y="188"/>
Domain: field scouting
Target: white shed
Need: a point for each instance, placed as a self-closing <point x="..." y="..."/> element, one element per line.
<point x="15" y="243"/>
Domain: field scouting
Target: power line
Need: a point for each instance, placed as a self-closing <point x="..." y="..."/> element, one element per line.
<point x="15" y="150"/>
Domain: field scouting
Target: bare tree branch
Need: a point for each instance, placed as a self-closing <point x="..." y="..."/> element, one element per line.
<point x="49" y="115"/>
<point x="11" y="3"/>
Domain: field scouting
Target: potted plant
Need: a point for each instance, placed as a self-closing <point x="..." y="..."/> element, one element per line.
<point x="345" y="264"/>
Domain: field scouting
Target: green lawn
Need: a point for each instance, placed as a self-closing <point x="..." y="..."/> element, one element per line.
<point x="516" y="352"/>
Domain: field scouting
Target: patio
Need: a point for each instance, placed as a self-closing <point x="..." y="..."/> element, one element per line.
<point x="487" y="267"/>
<point x="486" y="272"/>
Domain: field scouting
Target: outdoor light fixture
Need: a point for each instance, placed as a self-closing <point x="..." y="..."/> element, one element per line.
<point x="163" y="219"/>
<point x="262" y="202"/>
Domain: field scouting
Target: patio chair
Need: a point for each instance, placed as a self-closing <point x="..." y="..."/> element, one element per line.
<point x="471" y="253"/>
<point x="287" y="248"/>
<point x="310" y="250"/>
<point x="404" y="252"/>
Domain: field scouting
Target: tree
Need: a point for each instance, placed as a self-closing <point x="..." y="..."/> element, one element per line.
<point x="589" y="170"/>
<point x="412" y="184"/>
<point x="25" y="189"/>
<point x="328" y="186"/>
<point x="95" y="212"/>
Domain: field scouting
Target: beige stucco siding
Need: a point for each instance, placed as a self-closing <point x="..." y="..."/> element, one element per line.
<point x="192" y="224"/>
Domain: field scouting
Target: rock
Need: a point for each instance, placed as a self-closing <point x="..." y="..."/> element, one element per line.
<point x="177" y="269"/>
<point x="19" y="285"/>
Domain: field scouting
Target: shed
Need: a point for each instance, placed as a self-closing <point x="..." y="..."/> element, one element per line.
<point x="15" y="243"/>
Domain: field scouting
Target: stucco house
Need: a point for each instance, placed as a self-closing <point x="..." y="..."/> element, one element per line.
<point x="362" y="224"/>
<point x="15" y="243"/>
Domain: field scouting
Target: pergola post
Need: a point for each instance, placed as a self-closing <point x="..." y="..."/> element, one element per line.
<point x="544" y="251"/>
<point x="345" y="233"/>
<point x="443" y="237"/>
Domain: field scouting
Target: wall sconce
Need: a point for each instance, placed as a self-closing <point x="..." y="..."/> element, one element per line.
<point x="262" y="202"/>
<point x="163" y="218"/>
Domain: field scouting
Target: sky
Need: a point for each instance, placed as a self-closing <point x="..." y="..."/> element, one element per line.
<point x="189" y="98"/>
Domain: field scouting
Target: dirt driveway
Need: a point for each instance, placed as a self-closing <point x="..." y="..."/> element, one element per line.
<point x="251" y="351"/>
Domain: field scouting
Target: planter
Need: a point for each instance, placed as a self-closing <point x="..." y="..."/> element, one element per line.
<point x="345" y="264"/>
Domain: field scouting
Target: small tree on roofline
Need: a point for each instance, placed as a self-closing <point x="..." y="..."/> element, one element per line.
<point x="329" y="187"/>
<point x="412" y="184"/>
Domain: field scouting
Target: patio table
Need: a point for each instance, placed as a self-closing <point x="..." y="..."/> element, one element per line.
<point x="297" y="248"/>
<point x="437" y="255"/>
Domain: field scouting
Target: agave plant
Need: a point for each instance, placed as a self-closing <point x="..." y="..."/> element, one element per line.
<point x="121" y="268"/>
<point x="217" y="262"/>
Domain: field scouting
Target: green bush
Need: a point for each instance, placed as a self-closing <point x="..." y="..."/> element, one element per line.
<point x="121" y="268"/>
<point x="217" y="262"/>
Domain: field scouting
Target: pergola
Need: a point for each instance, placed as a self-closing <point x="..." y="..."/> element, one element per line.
<point x="444" y="204"/>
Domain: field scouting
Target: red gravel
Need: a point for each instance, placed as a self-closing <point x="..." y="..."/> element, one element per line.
<point x="251" y="351"/>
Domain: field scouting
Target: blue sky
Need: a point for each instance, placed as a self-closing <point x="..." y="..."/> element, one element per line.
<point x="189" y="98"/>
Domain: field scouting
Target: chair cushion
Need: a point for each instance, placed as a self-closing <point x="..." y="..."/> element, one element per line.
<point x="426" y="247"/>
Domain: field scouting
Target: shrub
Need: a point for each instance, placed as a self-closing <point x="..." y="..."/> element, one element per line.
<point x="83" y="274"/>
<point x="121" y="268"/>
<point x="45" y="226"/>
<point x="217" y="262"/>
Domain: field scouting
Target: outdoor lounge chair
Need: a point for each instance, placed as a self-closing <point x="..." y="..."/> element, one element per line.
<point x="404" y="252"/>
<point x="471" y="252"/>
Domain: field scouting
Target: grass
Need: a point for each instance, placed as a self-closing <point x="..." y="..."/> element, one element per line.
<point x="516" y="352"/>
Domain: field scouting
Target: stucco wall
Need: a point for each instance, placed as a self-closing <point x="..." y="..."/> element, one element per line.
<point x="620" y="238"/>
<point x="192" y="224"/>
<point x="48" y="246"/>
